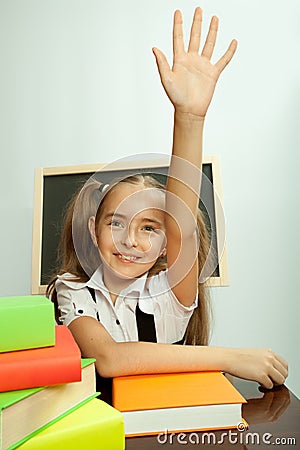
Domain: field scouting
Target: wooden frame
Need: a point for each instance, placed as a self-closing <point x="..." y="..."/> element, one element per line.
<point x="41" y="174"/>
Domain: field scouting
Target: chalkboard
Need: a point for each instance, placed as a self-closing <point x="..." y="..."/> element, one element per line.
<point x="56" y="186"/>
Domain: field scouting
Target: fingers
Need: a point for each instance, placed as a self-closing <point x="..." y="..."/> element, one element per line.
<point x="271" y="379"/>
<point x="227" y="57"/>
<point x="277" y="377"/>
<point x="282" y="370"/>
<point x="211" y="38"/>
<point x="162" y="63"/>
<point x="178" y="46"/>
<point x="282" y="362"/>
<point x="194" y="42"/>
<point x="195" y="35"/>
<point x="276" y="370"/>
<point x="266" y="382"/>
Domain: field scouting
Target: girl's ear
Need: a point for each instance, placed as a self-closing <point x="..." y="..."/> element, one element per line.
<point x="92" y="230"/>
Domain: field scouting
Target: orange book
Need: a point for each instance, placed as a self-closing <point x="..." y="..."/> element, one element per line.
<point x="45" y="366"/>
<point x="176" y="402"/>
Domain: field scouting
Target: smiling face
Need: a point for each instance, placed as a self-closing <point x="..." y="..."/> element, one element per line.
<point x="130" y="230"/>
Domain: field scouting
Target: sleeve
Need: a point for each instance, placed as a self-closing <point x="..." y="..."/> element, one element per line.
<point x="74" y="303"/>
<point x="160" y="287"/>
<point x="171" y="317"/>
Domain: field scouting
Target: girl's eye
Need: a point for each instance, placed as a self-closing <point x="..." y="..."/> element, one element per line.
<point x="115" y="223"/>
<point x="148" y="228"/>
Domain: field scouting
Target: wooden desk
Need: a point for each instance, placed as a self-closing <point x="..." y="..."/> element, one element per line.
<point x="271" y="415"/>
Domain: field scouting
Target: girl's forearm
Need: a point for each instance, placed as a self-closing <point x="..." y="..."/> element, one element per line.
<point x="132" y="358"/>
<point x="125" y="358"/>
<point x="182" y="197"/>
<point x="187" y="137"/>
<point x="185" y="168"/>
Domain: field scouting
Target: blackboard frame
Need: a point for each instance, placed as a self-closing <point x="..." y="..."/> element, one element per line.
<point x="38" y="286"/>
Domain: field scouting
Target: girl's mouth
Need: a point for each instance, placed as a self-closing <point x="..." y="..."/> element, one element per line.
<point x="126" y="258"/>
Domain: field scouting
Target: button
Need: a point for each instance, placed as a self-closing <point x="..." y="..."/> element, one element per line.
<point x="117" y="322"/>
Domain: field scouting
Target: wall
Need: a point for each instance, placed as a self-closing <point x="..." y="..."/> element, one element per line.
<point x="79" y="85"/>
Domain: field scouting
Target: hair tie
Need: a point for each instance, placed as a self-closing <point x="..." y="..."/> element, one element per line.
<point x="103" y="187"/>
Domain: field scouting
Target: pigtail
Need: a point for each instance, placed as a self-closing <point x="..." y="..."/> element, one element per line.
<point x="76" y="253"/>
<point x="198" y="330"/>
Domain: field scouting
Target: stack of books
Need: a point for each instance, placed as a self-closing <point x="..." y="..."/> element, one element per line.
<point x="47" y="392"/>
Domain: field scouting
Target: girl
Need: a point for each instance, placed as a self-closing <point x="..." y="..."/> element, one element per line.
<point x="130" y="270"/>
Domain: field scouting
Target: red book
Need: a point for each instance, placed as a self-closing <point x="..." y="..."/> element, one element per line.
<point x="42" y="366"/>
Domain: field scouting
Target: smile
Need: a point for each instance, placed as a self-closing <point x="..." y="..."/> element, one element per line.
<point x="129" y="258"/>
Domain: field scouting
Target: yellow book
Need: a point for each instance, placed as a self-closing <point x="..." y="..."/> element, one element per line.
<point x="94" y="426"/>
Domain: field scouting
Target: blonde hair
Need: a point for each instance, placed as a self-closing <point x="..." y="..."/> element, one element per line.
<point x="78" y="255"/>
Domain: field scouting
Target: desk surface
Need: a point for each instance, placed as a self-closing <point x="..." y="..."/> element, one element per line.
<point x="273" y="417"/>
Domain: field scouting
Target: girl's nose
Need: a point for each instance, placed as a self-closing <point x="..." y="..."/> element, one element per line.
<point x="129" y="238"/>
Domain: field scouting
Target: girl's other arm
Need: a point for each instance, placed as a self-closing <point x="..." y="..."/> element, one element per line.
<point x="132" y="358"/>
<point x="190" y="86"/>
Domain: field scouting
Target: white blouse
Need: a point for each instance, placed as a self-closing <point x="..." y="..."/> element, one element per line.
<point x="153" y="295"/>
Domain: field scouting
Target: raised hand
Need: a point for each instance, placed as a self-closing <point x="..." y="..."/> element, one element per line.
<point x="191" y="82"/>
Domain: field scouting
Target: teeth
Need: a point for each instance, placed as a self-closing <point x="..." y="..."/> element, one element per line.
<point x="127" y="258"/>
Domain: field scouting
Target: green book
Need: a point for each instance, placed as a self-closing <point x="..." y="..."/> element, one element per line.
<point x="26" y="412"/>
<point x="95" y="425"/>
<point x="26" y="322"/>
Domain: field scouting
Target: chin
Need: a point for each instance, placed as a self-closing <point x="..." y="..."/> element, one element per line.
<point x="128" y="276"/>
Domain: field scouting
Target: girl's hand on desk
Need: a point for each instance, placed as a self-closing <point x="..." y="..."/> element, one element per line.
<point x="261" y="365"/>
<point x="191" y="82"/>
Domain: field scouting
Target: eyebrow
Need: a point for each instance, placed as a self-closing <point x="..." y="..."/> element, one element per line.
<point x="110" y="215"/>
<point x="147" y="219"/>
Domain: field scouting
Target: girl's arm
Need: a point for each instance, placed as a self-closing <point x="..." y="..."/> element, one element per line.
<point x="190" y="86"/>
<point x="131" y="358"/>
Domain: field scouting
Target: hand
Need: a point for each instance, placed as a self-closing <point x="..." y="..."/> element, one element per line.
<point x="191" y="82"/>
<point x="261" y="365"/>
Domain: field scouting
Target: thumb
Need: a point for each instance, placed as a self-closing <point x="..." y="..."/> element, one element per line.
<point x="162" y="64"/>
